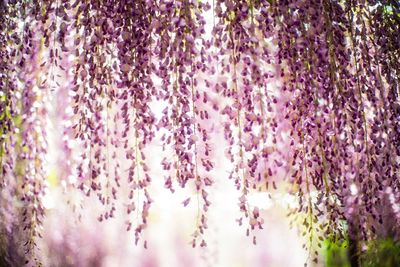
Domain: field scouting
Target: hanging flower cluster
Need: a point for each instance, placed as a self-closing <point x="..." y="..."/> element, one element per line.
<point x="24" y="106"/>
<point x="245" y="63"/>
<point x="305" y="92"/>
<point x="343" y="132"/>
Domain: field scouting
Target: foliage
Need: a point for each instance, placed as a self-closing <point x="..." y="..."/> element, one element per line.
<point x="381" y="252"/>
<point x="336" y="253"/>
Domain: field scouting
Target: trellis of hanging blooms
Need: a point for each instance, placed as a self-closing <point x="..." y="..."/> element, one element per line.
<point x="303" y="91"/>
